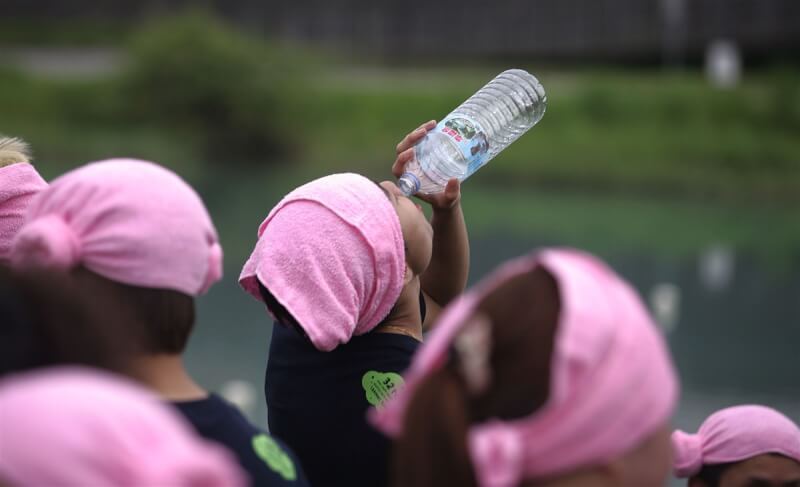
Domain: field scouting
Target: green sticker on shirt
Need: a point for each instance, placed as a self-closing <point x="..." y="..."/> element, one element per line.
<point x="273" y="455"/>
<point x="380" y="386"/>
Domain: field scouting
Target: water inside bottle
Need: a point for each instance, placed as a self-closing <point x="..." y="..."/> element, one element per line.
<point x="475" y="132"/>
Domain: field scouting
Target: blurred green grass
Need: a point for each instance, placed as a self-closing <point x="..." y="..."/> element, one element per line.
<point x="623" y="131"/>
<point x="198" y="93"/>
<point x="649" y="159"/>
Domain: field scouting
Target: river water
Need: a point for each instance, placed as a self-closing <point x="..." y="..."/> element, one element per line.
<point x="733" y="342"/>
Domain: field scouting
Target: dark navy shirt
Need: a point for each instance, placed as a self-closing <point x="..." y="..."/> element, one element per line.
<point x="317" y="402"/>
<point x="268" y="461"/>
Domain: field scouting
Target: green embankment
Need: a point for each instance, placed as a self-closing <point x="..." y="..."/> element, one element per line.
<point x="623" y="158"/>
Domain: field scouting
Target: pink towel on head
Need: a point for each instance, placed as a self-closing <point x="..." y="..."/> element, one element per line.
<point x="612" y="380"/>
<point x="19" y="183"/>
<point x="129" y="221"/>
<point x="735" y="434"/>
<point x="332" y="253"/>
<point x="74" y="427"/>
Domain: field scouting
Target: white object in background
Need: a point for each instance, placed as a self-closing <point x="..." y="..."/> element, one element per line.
<point x="241" y="394"/>
<point x="723" y="64"/>
<point x="716" y="267"/>
<point x="665" y="304"/>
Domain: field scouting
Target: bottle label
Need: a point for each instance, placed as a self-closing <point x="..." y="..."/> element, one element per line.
<point x="469" y="137"/>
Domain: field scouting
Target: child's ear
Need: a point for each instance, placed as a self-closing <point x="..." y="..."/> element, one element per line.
<point x="408" y="275"/>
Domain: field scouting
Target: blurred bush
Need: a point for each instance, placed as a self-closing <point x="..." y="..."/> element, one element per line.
<point x="784" y="102"/>
<point x="608" y="131"/>
<point x="230" y="93"/>
<point x="198" y="95"/>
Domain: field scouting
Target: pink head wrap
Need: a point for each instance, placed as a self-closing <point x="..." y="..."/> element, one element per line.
<point x="735" y="434"/>
<point x="331" y="252"/>
<point x="612" y="380"/>
<point x="75" y="427"/>
<point x="19" y="183"/>
<point x="129" y="221"/>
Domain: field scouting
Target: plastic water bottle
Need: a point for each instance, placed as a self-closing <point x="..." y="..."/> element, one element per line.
<point x="475" y="132"/>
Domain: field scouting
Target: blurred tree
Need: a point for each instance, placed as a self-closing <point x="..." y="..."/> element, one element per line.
<point x="195" y="75"/>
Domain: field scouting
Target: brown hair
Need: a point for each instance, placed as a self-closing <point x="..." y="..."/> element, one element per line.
<point x="163" y="319"/>
<point x="432" y="450"/>
<point x="49" y="319"/>
<point x="280" y="312"/>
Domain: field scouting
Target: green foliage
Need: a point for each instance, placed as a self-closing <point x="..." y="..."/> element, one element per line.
<point x="193" y="74"/>
<point x="196" y="94"/>
<point x="634" y="132"/>
<point x="783" y="105"/>
<point x="193" y="92"/>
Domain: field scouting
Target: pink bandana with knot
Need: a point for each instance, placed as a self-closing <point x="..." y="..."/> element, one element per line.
<point x="612" y="380"/>
<point x="130" y="221"/>
<point x="19" y="183"/>
<point x="77" y="427"/>
<point x="735" y="434"/>
<point x="331" y="252"/>
<point x="497" y="443"/>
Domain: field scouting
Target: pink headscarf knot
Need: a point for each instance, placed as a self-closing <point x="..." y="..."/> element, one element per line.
<point x="606" y="346"/>
<point x="497" y="452"/>
<point x="130" y="221"/>
<point x="48" y="242"/>
<point x="688" y="453"/>
<point x="735" y="434"/>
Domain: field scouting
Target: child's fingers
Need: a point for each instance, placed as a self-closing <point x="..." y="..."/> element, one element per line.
<point x="403" y="158"/>
<point x="452" y="191"/>
<point x="412" y="138"/>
